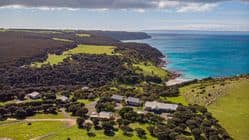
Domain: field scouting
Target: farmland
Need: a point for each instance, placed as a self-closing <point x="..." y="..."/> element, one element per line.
<point x="226" y="99"/>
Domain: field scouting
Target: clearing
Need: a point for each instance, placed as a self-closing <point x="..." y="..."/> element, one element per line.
<point x="151" y="70"/>
<point x="83" y="35"/>
<point x="54" y="59"/>
<point x="62" y="39"/>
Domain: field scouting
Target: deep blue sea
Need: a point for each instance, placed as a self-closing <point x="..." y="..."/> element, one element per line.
<point x="203" y="55"/>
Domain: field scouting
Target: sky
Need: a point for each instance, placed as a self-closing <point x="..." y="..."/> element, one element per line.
<point x="129" y="15"/>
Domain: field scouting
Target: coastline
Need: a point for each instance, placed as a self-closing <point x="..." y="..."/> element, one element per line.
<point x="175" y="77"/>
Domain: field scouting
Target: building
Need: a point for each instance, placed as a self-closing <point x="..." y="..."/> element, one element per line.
<point x="102" y="115"/>
<point x="63" y="98"/>
<point x="141" y="112"/>
<point x="133" y="101"/>
<point x="117" y="98"/>
<point x="85" y="88"/>
<point x="34" y="95"/>
<point x="161" y="107"/>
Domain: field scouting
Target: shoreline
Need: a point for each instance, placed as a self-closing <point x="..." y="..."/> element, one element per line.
<point x="176" y="81"/>
<point x="175" y="77"/>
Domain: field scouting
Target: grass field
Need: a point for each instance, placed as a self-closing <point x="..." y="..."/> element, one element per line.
<point x="91" y="49"/>
<point x="88" y="49"/>
<point x="47" y="116"/>
<point x="179" y="99"/>
<point x="37" y="31"/>
<point x="23" y="131"/>
<point x="76" y="134"/>
<point x="83" y="35"/>
<point x="61" y="39"/>
<point x="3" y="30"/>
<point x="85" y="101"/>
<point x="229" y="101"/>
<point x="59" y="131"/>
<point x="17" y="101"/>
<point x="232" y="110"/>
<point x="152" y="70"/>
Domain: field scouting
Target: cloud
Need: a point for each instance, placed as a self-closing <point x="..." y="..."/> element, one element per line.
<point x="135" y="5"/>
<point x="139" y="10"/>
<point x="197" y="7"/>
<point x="168" y="4"/>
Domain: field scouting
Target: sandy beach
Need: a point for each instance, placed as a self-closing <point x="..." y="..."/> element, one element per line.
<point x="176" y="81"/>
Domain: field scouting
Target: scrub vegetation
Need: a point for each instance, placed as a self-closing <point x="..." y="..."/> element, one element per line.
<point x="60" y="91"/>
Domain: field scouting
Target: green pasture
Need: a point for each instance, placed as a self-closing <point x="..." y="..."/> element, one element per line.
<point x="54" y="59"/>
<point x="229" y="101"/>
<point x="151" y="70"/>
<point x="60" y="131"/>
<point x="83" y="35"/>
<point x="61" y="39"/>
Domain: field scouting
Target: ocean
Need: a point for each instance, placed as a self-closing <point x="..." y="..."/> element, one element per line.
<point x="201" y="55"/>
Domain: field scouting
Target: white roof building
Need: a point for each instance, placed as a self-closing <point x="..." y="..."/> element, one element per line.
<point x="63" y="98"/>
<point x="117" y="98"/>
<point x="34" y="95"/>
<point x="102" y="115"/>
<point x="133" y="101"/>
<point x="157" y="106"/>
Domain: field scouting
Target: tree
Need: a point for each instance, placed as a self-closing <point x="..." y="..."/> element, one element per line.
<point x="81" y="112"/>
<point x="127" y="130"/>
<point x="141" y="132"/>
<point x="80" y="122"/>
<point x="20" y="113"/>
<point x="108" y="127"/>
<point x="197" y="133"/>
<point x="88" y="126"/>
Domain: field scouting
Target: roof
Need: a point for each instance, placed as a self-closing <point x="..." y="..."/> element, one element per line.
<point x="63" y="98"/>
<point x="117" y="97"/>
<point x="158" y="106"/>
<point x="85" y="88"/>
<point x="132" y="99"/>
<point x="34" y="94"/>
<point x="104" y="114"/>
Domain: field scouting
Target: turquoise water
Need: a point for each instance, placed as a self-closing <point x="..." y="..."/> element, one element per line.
<point x="200" y="55"/>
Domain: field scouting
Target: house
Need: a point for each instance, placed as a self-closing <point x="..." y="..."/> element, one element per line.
<point x="133" y="101"/>
<point x="85" y="88"/>
<point x="102" y="115"/>
<point x="63" y="98"/>
<point x="94" y="115"/>
<point x="105" y="115"/>
<point x="141" y="112"/>
<point x="157" y="106"/>
<point x="34" y="95"/>
<point x="117" y="98"/>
